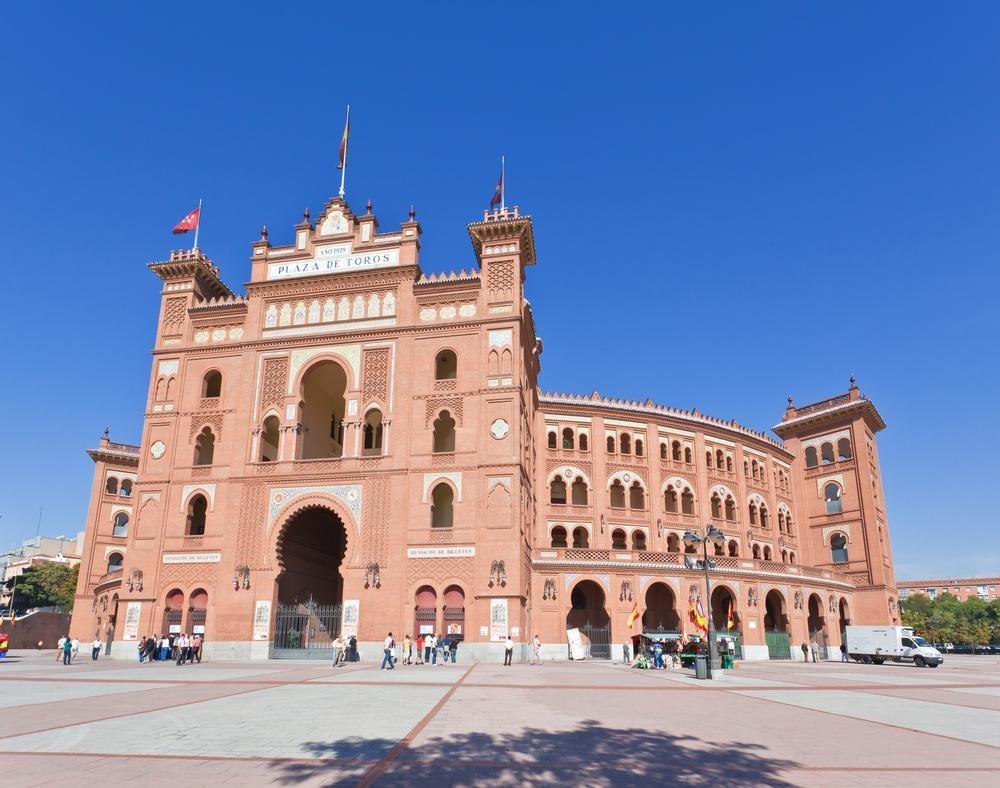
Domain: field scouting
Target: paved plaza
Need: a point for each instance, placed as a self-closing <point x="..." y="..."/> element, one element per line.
<point x="592" y="723"/>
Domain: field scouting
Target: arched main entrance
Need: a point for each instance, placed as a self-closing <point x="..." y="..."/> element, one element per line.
<point x="845" y="620"/>
<point x="776" y="627"/>
<point x="660" y="616"/>
<point x="725" y="619"/>
<point x="311" y="549"/>
<point x="588" y="614"/>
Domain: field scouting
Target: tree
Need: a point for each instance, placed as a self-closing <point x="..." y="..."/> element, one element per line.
<point x="948" y="619"/>
<point x="45" y="584"/>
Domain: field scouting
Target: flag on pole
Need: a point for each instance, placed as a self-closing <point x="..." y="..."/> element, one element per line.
<point x="189" y="222"/>
<point x="342" y="160"/>
<point x="633" y="615"/>
<point x="697" y="615"/>
<point x="730" y="616"/>
<point x="497" y="198"/>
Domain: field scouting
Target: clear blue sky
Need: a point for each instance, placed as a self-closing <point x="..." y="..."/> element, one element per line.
<point x="730" y="204"/>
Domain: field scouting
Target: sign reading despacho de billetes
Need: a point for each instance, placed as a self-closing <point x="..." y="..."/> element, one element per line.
<point x="192" y="558"/>
<point x="453" y="551"/>
<point x="333" y="259"/>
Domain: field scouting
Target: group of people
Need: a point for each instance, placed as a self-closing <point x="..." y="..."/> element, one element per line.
<point x="68" y="649"/>
<point x="428" y="649"/>
<point x="345" y="650"/>
<point x="179" y="648"/>
<point x="658" y="654"/>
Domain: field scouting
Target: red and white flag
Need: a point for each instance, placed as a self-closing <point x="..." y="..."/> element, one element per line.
<point x="189" y="222"/>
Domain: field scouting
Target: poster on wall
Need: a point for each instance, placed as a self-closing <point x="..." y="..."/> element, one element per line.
<point x="454" y="629"/>
<point x="498" y="619"/>
<point x="426" y="629"/>
<point x="175" y="629"/>
<point x="131" y="629"/>
<point x="352" y="607"/>
<point x="262" y="619"/>
<point x="576" y="649"/>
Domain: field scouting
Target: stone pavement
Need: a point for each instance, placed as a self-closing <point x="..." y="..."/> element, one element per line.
<point x="591" y="723"/>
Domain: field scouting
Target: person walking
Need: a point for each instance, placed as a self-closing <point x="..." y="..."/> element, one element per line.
<point x="536" y="651"/>
<point x="142" y="649"/>
<point x="843" y="653"/>
<point x="164" y="648"/>
<point x="627" y="652"/>
<point x="407" y="650"/>
<point x="453" y="648"/>
<point x="338" y="651"/>
<point x="387" y="651"/>
<point x="815" y="651"/>
<point x="353" y="647"/>
<point x="508" y="651"/>
<point x="432" y="644"/>
<point x="196" y="643"/>
<point x="67" y="651"/>
<point x="76" y="648"/>
<point x="427" y="647"/>
<point x="150" y="649"/>
<point x="182" y="648"/>
<point x="805" y="651"/>
<point x="658" y="655"/>
<point x="95" y="648"/>
<point x="439" y="648"/>
<point x="420" y="649"/>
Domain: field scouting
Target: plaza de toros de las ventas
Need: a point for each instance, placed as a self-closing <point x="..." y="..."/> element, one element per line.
<point x="357" y="446"/>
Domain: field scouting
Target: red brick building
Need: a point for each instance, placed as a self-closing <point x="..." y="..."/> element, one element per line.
<point x="984" y="588"/>
<point x="353" y="445"/>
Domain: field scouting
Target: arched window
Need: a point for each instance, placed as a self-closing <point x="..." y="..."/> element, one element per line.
<point x="638" y="540"/>
<point x="756" y="551"/>
<point x="753" y="514"/>
<point x="832" y="495"/>
<point x="765" y="521"/>
<point x="687" y="456"/>
<point x="811" y="460"/>
<point x="111" y="487"/>
<point x="754" y="469"/>
<point x="791" y="558"/>
<point x="788" y="524"/>
<point x="211" y="384"/>
<point x="708" y="459"/>
<point x="746" y="469"/>
<point x="567" y="436"/>
<point x="204" y="447"/>
<point x="269" y="439"/>
<point x="673" y="543"/>
<point x="579" y="492"/>
<point x="444" y="432"/>
<point x="718" y="549"/>
<point x="784" y="556"/>
<point x="730" y="509"/>
<point x="373" y="433"/>
<point x="442" y="506"/>
<point x="611" y="444"/>
<point x="669" y="500"/>
<point x="618" y="540"/>
<point x="636" y="497"/>
<point x="729" y="463"/>
<point x="552" y="439"/>
<point x="580" y="537"/>
<point x="781" y="522"/>
<point x="720" y="459"/>
<point x="638" y="447"/>
<point x="120" y="527"/>
<point x="557" y="490"/>
<point x="583" y="441"/>
<point x="197" y="507"/>
<point x="844" y="449"/>
<point x="115" y="561"/>
<point x="675" y="449"/>
<point x="767" y="553"/>
<point x="838" y="549"/>
<point x="558" y="536"/>
<point x="687" y="501"/>
<point x="446" y="365"/>
<point x="617" y="495"/>
<point x="826" y="453"/>
<point x="734" y="549"/>
<point x="716" y="506"/>
<point x="663" y="451"/>
<point x="126" y="488"/>
<point x="625" y="444"/>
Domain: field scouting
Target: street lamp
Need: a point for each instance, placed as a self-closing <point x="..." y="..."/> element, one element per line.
<point x="716" y="538"/>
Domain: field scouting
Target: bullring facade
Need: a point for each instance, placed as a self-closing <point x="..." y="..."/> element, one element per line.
<point x="356" y="446"/>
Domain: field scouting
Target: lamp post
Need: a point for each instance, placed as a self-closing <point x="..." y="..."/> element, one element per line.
<point x="715" y="537"/>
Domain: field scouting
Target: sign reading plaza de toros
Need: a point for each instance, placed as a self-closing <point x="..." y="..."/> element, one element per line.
<point x="332" y="259"/>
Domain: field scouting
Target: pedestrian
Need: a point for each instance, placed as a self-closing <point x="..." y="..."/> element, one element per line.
<point x="420" y="649"/>
<point x="815" y="650"/>
<point x="338" y="651"/>
<point x="508" y="651"/>
<point x="536" y="651"/>
<point x="353" y="645"/>
<point x="453" y="648"/>
<point x="432" y="640"/>
<point x="439" y="649"/>
<point x="150" y="649"/>
<point x="407" y="649"/>
<point x="164" y="648"/>
<point x="171" y="643"/>
<point x="76" y="648"/>
<point x="95" y="648"/>
<point x="182" y="644"/>
<point x="67" y="651"/>
<point x="805" y="651"/>
<point x="142" y="649"/>
<point x="387" y="650"/>
<point x="427" y="648"/>
<point x="843" y="652"/>
<point x="196" y="643"/>
<point x="626" y="652"/>
<point x="658" y="655"/>
<point x="59" y="648"/>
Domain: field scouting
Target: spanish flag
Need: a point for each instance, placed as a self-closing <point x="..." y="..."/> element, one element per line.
<point x="633" y="615"/>
<point x="342" y="160"/>
<point x="697" y="615"/>
<point x="730" y="616"/>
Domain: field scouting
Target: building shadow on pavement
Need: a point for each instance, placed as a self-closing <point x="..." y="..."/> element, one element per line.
<point x="589" y="754"/>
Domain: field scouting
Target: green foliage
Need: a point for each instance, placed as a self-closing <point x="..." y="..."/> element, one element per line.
<point x="948" y="619"/>
<point x="45" y="584"/>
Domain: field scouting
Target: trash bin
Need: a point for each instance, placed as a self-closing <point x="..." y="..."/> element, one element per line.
<point x="701" y="667"/>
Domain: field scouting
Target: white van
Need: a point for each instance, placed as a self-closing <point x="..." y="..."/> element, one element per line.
<point x="892" y="644"/>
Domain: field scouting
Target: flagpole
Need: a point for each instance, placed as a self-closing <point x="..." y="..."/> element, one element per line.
<point x="503" y="184"/>
<point x="197" y="227"/>
<point x="347" y="144"/>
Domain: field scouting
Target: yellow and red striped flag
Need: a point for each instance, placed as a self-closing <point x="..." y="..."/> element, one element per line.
<point x="633" y="615"/>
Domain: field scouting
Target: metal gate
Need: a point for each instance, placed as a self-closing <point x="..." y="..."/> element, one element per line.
<point x="305" y="630"/>
<point x="779" y="645"/>
<point x="597" y="640"/>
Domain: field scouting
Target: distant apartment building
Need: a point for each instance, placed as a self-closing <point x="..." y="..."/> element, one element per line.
<point x="985" y="588"/>
<point x="60" y="549"/>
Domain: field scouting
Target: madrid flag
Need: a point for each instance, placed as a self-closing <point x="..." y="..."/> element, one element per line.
<point x="188" y="223"/>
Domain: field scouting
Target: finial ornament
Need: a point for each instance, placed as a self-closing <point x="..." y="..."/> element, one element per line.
<point x="854" y="381"/>
<point x="263" y="233"/>
<point x="306" y="214"/>
<point x="368" y="207"/>
<point x="106" y="431"/>
<point x="413" y="213"/>
<point x="789" y="399"/>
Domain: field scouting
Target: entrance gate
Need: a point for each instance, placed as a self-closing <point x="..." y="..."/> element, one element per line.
<point x="305" y="630"/>
<point x="779" y="645"/>
<point x="600" y="640"/>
